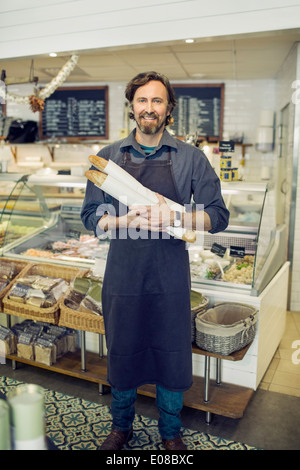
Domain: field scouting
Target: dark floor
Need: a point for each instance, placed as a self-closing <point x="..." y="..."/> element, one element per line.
<point x="271" y="420"/>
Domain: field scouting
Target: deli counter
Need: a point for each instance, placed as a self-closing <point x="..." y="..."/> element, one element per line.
<point x="40" y="221"/>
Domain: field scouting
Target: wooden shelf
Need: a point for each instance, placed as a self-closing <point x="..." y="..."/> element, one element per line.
<point x="70" y="364"/>
<point x="225" y="399"/>
<point x="235" y="356"/>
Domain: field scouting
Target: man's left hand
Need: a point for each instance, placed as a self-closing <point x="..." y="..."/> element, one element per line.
<point x="156" y="217"/>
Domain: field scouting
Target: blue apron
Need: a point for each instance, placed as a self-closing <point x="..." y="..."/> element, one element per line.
<point x="146" y="298"/>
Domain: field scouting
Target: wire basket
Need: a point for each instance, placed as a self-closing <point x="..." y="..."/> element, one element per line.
<point x="199" y="304"/>
<point x="51" y="314"/>
<point x="226" y="328"/>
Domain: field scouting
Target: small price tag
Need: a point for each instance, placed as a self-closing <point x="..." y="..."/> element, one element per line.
<point x="218" y="249"/>
<point x="237" y="251"/>
<point x="226" y="146"/>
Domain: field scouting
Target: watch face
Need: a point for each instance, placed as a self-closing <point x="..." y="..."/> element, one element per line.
<point x="177" y="221"/>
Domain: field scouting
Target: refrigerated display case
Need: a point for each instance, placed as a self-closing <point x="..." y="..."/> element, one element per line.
<point x="40" y="218"/>
<point x="247" y="255"/>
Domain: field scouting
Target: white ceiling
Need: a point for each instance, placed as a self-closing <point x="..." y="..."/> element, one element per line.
<point x="249" y="56"/>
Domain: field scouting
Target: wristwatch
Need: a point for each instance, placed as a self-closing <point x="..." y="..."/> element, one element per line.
<point x="177" y="219"/>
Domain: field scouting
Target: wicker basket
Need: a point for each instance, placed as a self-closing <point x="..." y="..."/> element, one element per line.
<point x="226" y="328"/>
<point x="51" y="314"/>
<point x="199" y="304"/>
<point x="80" y="320"/>
<point x="19" y="267"/>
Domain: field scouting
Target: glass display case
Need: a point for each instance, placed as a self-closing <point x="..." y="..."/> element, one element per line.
<point x="40" y="221"/>
<point x="247" y="255"/>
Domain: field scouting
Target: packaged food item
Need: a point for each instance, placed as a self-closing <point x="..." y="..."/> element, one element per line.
<point x="45" y="349"/>
<point x="234" y="174"/>
<point x="225" y="162"/>
<point x="225" y="174"/>
<point x="8" y="341"/>
<point x="19" y="292"/>
<point x="92" y="300"/>
<point x="72" y="340"/>
<point x="59" y="334"/>
<point x="74" y="300"/>
<point x="39" y="291"/>
<point x="43" y="342"/>
<point x="25" y="346"/>
<point x="85" y="295"/>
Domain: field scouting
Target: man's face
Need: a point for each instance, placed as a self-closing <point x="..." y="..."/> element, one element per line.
<point x="150" y="107"/>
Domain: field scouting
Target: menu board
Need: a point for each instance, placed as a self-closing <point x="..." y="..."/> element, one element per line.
<point x="199" y="111"/>
<point x="80" y="112"/>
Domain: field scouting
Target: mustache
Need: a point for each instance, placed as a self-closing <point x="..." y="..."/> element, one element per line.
<point x="145" y="114"/>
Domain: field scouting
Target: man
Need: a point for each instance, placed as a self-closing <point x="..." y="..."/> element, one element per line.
<point x="146" y="286"/>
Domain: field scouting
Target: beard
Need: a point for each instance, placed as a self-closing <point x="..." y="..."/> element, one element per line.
<point x="150" y="127"/>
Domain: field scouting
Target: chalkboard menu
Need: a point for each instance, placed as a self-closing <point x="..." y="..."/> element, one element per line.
<point x="80" y="112"/>
<point x="199" y="111"/>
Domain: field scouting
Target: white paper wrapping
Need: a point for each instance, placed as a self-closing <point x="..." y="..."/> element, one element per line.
<point x="126" y="189"/>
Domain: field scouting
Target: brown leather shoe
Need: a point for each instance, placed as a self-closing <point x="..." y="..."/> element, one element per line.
<point x="174" y="444"/>
<point x="116" y="440"/>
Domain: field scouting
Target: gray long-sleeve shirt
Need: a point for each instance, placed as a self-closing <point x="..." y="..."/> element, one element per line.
<point x="193" y="174"/>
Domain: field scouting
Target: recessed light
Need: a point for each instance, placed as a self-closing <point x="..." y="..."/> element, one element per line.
<point x="189" y="41"/>
<point x="53" y="54"/>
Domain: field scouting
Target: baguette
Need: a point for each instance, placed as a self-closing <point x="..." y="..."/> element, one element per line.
<point x="96" y="177"/>
<point x="98" y="162"/>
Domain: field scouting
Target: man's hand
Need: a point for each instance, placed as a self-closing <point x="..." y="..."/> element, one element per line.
<point x="156" y="217"/>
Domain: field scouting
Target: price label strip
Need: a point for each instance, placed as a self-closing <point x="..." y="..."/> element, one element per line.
<point x="237" y="251"/>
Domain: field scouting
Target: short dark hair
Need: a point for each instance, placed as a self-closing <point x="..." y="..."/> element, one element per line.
<point x="142" y="79"/>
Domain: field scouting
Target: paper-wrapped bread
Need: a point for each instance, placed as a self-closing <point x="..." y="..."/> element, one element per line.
<point x="119" y="184"/>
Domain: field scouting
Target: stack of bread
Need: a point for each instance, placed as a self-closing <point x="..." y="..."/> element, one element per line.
<point x="38" y="341"/>
<point x="40" y="291"/>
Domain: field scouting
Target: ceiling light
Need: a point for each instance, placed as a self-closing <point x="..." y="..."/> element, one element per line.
<point x="53" y="54"/>
<point x="189" y="41"/>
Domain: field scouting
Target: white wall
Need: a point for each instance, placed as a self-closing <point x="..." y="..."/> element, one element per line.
<point x="34" y="27"/>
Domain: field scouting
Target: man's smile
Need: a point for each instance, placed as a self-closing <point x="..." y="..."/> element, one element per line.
<point x="148" y="118"/>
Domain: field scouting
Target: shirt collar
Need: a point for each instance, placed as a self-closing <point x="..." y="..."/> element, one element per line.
<point x="166" y="139"/>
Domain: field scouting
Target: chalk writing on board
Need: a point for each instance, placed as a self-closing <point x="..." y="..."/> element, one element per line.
<point x="199" y="110"/>
<point x="76" y="112"/>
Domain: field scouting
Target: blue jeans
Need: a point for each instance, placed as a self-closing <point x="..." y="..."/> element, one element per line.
<point x="169" y="405"/>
